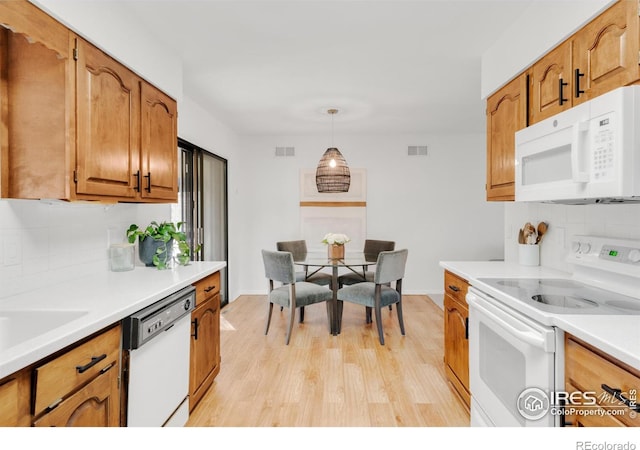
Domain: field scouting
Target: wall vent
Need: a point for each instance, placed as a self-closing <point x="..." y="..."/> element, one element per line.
<point x="285" y="151"/>
<point x="417" y="150"/>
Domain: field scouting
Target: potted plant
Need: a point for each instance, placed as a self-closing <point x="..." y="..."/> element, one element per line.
<point x="155" y="243"/>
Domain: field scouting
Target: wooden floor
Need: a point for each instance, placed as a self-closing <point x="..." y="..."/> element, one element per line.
<point x="320" y="380"/>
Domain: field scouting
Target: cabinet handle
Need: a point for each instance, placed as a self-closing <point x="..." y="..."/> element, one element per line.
<point x="617" y="393"/>
<point x="561" y="85"/>
<point x="137" y="175"/>
<point x="94" y="360"/>
<point x="466" y="328"/>
<point x="454" y="288"/>
<point x="195" y="328"/>
<point x="148" y="177"/>
<point x="577" y="82"/>
<point x="210" y="288"/>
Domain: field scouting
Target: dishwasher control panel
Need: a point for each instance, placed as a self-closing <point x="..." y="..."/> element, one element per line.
<point x="157" y="318"/>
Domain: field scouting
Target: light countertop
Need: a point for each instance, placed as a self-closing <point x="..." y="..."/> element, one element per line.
<point x="103" y="298"/>
<point x="616" y="335"/>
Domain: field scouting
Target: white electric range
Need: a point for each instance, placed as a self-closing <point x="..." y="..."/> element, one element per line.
<point x="515" y="344"/>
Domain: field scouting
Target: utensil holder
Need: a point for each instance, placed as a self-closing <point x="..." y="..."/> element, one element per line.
<point x="529" y="255"/>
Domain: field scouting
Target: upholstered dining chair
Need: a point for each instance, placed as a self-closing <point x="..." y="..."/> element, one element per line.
<point x="372" y="249"/>
<point x="278" y="266"/>
<point x="299" y="251"/>
<point x="378" y="293"/>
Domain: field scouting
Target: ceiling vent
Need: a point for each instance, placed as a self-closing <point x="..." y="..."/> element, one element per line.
<point x="285" y="151"/>
<point x="417" y="150"/>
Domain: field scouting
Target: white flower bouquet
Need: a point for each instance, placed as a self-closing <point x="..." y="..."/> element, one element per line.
<point x="335" y="239"/>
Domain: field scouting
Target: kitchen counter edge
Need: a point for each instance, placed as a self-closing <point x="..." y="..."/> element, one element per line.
<point x="611" y="334"/>
<point x="107" y="297"/>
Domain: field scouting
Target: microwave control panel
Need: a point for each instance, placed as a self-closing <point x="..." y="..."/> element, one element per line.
<point x="603" y="155"/>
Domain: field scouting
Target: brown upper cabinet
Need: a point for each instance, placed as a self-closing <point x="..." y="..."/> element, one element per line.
<point x="80" y="126"/>
<point x="600" y="57"/>
<point x="506" y="114"/>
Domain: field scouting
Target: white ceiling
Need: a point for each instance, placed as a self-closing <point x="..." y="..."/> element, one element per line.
<point x="275" y="67"/>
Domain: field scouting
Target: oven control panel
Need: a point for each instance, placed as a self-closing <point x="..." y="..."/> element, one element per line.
<point x="620" y="254"/>
<point x="602" y="251"/>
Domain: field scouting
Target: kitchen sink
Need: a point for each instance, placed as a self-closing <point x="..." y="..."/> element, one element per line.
<point x="20" y="326"/>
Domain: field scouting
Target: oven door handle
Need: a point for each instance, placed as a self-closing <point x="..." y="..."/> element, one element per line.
<point x="511" y="324"/>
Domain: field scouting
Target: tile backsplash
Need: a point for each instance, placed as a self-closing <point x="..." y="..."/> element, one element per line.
<point x="42" y="241"/>
<point x="565" y="221"/>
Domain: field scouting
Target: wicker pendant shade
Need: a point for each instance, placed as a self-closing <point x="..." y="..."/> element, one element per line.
<point x="332" y="174"/>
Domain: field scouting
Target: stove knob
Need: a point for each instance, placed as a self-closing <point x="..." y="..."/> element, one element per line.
<point x="187" y="304"/>
<point x="634" y="255"/>
<point x="575" y="246"/>
<point x="585" y="247"/>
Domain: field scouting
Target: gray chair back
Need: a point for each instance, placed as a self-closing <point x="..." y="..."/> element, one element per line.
<point x="372" y="248"/>
<point x="390" y="266"/>
<point x="297" y="248"/>
<point x="278" y="266"/>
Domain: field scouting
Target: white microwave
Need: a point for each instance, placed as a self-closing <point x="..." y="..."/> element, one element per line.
<point x="587" y="154"/>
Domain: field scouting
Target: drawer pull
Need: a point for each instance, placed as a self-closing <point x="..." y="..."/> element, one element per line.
<point x="210" y="288"/>
<point x="94" y="360"/>
<point x="617" y="393"/>
<point x="454" y="288"/>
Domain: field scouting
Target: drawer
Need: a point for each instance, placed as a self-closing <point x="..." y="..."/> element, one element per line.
<point x="588" y="369"/>
<point x="455" y="286"/>
<point x="207" y="287"/>
<point x="61" y="376"/>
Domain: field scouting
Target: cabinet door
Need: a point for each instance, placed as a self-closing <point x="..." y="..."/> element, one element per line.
<point x="456" y="343"/>
<point x="37" y="151"/>
<point x="551" y="77"/>
<point x="9" y="401"/>
<point x="95" y="405"/>
<point x="606" y="50"/>
<point x="159" y="151"/>
<point x="108" y="114"/>
<point x="506" y="114"/>
<point x="205" y="348"/>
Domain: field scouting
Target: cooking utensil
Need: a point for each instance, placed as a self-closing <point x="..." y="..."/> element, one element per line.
<point x="542" y="229"/>
<point x="530" y="233"/>
<point x="521" y="236"/>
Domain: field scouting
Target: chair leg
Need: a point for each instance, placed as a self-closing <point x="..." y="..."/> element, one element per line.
<point x="266" y="330"/>
<point x="379" y="324"/>
<point x="301" y="314"/>
<point x="400" y="319"/>
<point x="292" y="315"/>
<point x="367" y="310"/>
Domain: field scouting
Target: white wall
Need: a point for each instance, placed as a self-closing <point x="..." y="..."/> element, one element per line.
<point x="434" y="206"/>
<point x="550" y="22"/>
<point x="565" y="221"/>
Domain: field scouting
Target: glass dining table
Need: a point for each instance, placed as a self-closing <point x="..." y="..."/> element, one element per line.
<point x="355" y="262"/>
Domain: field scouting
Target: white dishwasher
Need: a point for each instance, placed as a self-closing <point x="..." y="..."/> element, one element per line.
<point x="156" y="343"/>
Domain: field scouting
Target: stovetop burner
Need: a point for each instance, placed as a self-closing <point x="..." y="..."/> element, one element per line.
<point x="565" y="296"/>
<point x="564" y="301"/>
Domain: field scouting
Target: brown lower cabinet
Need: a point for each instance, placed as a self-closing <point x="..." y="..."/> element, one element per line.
<point x="205" y="338"/>
<point x="456" y="335"/>
<point x="587" y="371"/>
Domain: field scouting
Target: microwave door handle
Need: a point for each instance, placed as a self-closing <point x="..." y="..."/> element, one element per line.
<point x="579" y="132"/>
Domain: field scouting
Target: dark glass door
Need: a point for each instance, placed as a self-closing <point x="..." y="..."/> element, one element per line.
<point x="203" y="205"/>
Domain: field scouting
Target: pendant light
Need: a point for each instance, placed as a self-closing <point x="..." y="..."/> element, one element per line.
<point x="332" y="174"/>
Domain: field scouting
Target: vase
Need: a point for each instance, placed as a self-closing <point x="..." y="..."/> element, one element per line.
<point x="336" y="251"/>
<point x="148" y="247"/>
